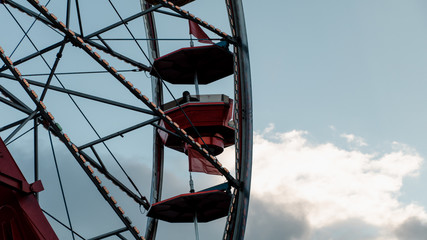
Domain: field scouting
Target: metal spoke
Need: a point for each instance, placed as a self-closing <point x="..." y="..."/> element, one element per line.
<point x="83" y="95"/>
<point x="15" y="105"/>
<point x="52" y="72"/>
<point x="15" y="99"/>
<point x="31" y="116"/>
<point x="11" y="125"/>
<point x="119" y="133"/>
<point x="109" y="234"/>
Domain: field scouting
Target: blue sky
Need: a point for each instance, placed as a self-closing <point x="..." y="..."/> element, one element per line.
<point x="338" y="68"/>
<point x="357" y="66"/>
<point x="339" y="93"/>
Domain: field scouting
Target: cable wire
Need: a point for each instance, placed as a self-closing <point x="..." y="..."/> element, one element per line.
<point x="57" y="220"/>
<point x="11" y="141"/>
<point x="130" y="32"/>
<point x="60" y="184"/>
<point x="77" y="106"/>
<point x="25" y="33"/>
<point x="161" y="79"/>
<point x="75" y="73"/>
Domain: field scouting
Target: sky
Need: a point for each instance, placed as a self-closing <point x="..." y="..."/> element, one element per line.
<point x="339" y="120"/>
<point x="339" y="151"/>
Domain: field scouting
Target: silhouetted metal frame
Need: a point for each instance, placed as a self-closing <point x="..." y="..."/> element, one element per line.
<point x="54" y="128"/>
<point x="87" y="38"/>
<point x="235" y="228"/>
<point x="82" y="95"/>
<point x="158" y="146"/>
<point x="236" y="223"/>
<point x="244" y="106"/>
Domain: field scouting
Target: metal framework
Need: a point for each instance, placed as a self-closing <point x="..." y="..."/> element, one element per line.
<point x="38" y="113"/>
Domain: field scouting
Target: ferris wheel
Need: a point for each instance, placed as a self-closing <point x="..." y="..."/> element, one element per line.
<point x="110" y="105"/>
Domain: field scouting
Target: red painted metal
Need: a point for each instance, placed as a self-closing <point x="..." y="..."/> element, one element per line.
<point x="209" y="205"/>
<point x="210" y="116"/>
<point x="216" y="142"/>
<point x="198" y="163"/>
<point x="176" y="2"/>
<point x="211" y="63"/>
<point x="20" y="214"/>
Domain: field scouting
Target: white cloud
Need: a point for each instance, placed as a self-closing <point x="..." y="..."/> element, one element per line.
<point x="351" y="138"/>
<point x="327" y="185"/>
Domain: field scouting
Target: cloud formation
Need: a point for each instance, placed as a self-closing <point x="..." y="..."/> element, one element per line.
<point x="300" y="191"/>
<point x="351" y="138"/>
<point x="327" y="192"/>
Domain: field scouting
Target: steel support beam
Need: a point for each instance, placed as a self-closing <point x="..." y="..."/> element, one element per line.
<point x="15" y="105"/>
<point x="36" y="154"/>
<point x="118" y="55"/>
<point x="158" y="146"/>
<point x="52" y="71"/>
<point x="109" y="234"/>
<point x="126" y="20"/>
<point x="37" y="16"/>
<point x="83" y="95"/>
<point x="71" y="147"/>
<point x="15" y="99"/>
<point x="86" y="38"/>
<point x="119" y="133"/>
<point x="143" y="201"/>
<point x="36" y="54"/>
<point x="11" y="125"/>
<point x="244" y="120"/>
<point x="31" y="116"/>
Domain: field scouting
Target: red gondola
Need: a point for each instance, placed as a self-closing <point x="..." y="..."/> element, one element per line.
<point x="176" y="2"/>
<point x="208" y="205"/>
<point x="210" y="115"/>
<point x="206" y="63"/>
